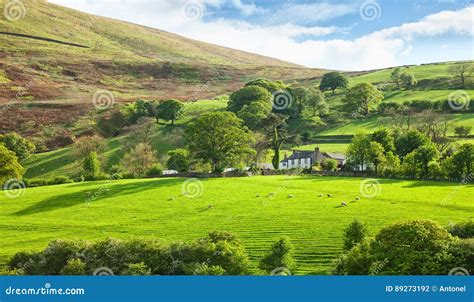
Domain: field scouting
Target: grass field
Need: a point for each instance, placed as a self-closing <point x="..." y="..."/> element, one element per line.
<point x="133" y="209"/>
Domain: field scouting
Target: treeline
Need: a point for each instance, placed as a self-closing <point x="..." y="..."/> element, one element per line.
<point x="410" y="153"/>
<point x="220" y="253"/>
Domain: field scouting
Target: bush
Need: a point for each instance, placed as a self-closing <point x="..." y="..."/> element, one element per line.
<point x="329" y="164"/>
<point x="136" y="269"/>
<point x="155" y="171"/>
<point x="280" y="255"/>
<point x="58" y="180"/>
<point x="462" y="229"/>
<point x="354" y="234"/>
<point x="178" y="160"/>
<point x="463" y="131"/>
<point x="418" y="247"/>
<point x="219" y="253"/>
<point x="74" y="267"/>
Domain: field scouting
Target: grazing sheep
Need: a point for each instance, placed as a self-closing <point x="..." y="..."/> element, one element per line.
<point x="291" y="196"/>
<point x="258" y="195"/>
<point x="357" y="198"/>
<point x="210" y="206"/>
<point x="330" y="195"/>
<point x="344" y="204"/>
<point x="171" y="199"/>
<point x="321" y="195"/>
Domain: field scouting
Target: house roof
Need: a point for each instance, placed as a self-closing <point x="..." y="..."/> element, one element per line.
<point x="335" y="155"/>
<point x="299" y="155"/>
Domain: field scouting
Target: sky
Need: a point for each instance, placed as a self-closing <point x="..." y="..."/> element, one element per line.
<point x="344" y="35"/>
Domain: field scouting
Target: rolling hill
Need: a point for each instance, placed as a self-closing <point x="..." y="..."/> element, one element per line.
<point x="61" y="57"/>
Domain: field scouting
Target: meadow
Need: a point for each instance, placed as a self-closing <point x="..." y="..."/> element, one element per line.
<point x="156" y="209"/>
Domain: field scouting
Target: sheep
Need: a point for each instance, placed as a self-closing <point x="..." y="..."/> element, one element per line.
<point x="258" y="195"/>
<point x="171" y="199"/>
<point x="271" y="194"/>
<point x="344" y="204"/>
<point x="357" y="198"/>
<point x="291" y="196"/>
<point x="210" y="206"/>
<point x="330" y="195"/>
<point x="321" y="195"/>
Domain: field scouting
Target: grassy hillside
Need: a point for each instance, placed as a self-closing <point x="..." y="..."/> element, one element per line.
<point x="129" y="60"/>
<point x="133" y="209"/>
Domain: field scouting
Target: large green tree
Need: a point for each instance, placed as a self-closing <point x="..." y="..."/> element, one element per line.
<point x="9" y="165"/>
<point x="179" y="160"/>
<point x="333" y="81"/>
<point x="317" y="103"/>
<point x="247" y="96"/>
<point x="21" y="146"/>
<point x="463" y="160"/>
<point x="407" y="142"/>
<point x="219" y="138"/>
<point x="362" y="98"/>
<point x="270" y="86"/>
<point x="424" y="155"/>
<point x="461" y="71"/>
<point x="169" y="110"/>
<point x="357" y="150"/>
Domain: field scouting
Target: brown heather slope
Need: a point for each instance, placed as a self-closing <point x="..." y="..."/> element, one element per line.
<point x="130" y="60"/>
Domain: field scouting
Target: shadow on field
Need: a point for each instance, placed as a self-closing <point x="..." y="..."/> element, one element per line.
<point x="95" y="194"/>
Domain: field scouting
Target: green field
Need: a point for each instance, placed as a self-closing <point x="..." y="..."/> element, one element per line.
<point x="133" y="209"/>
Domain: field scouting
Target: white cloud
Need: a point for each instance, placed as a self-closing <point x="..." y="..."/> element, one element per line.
<point x="247" y="9"/>
<point x="387" y="47"/>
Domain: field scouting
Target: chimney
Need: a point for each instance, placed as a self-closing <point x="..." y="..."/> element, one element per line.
<point x="285" y="156"/>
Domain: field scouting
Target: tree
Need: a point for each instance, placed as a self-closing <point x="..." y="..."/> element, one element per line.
<point x="354" y="234"/>
<point x="329" y="164"/>
<point x="362" y="98"/>
<point x="462" y="131"/>
<point x="279" y="257"/>
<point x="247" y="96"/>
<point x="375" y="155"/>
<point x="10" y="168"/>
<point x="391" y="165"/>
<point x="316" y="101"/>
<point x="357" y="150"/>
<point x="300" y="96"/>
<point x="91" y="166"/>
<point x="463" y="160"/>
<point x="252" y="114"/>
<point x="83" y="146"/>
<point x="179" y="160"/>
<point x="333" y="81"/>
<point x="18" y="144"/>
<point x="424" y="155"/>
<point x="384" y="137"/>
<point x="270" y="86"/>
<point x="395" y="76"/>
<point x="407" y="142"/>
<point x="139" y="160"/>
<point x="169" y="110"/>
<point x="461" y="71"/>
<point x="219" y="138"/>
<point x="407" y="80"/>
<point x="276" y="131"/>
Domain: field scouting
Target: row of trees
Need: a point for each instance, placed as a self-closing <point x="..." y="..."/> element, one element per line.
<point x="410" y="154"/>
<point x="220" y="253"/>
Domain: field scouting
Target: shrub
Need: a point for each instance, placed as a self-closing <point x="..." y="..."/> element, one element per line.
<point x="280" y="255"/>
<point x="203" y="269"/>
<point x="463" y="131"/>
<point x="58" y="180"/>
<point x="155" y="171"/>
<point x="329" y="164"/>
<point x="91" y="166"/>
<point x="462" y="229"/>
<point x="74" y="267"/>
<point x="354" y="234"/>
<point x="418" y="247"/>
<point x="136" y="269"/>
<point x="179" y="160"/>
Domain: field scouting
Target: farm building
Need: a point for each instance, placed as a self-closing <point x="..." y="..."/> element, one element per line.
<point x="306" y="159"/>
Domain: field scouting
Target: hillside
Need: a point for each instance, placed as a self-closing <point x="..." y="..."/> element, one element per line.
<point x="129" y="60"/>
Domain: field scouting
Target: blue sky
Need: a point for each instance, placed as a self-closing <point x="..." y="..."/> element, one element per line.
<point x="345" y="35"/>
